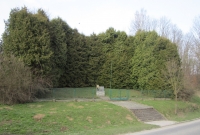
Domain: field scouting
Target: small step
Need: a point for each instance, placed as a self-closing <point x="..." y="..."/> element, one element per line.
<point x="148" y="114"/>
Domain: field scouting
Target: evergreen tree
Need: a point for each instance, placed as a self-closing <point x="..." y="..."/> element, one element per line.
<point x="152" y="51"/>
<point x="117" y="51"/>
<point x="95" y="59"/>
<point x="77" y="60"/>
<point x="27" y="37"/>
<point x="108" y="39"/>
<point x="59" y="33"/>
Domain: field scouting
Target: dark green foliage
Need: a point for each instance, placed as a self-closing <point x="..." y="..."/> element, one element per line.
<point x="151" y="54"/>
<point x="77" y="61"/>
<point x="111" y="59"/>
<point x="27" y="37"/>
<point x="96" y="59"/>
<point x="117" y="50"/>
<point x="59" y="33"/>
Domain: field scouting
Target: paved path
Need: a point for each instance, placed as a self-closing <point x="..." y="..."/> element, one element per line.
<point x="130" y="104"/>
<point x="133" y="105"/>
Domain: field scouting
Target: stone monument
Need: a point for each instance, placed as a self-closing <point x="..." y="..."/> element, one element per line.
<point x="100" y="91"/>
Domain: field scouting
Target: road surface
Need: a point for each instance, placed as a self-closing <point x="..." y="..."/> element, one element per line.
<point x="186" y="128"/>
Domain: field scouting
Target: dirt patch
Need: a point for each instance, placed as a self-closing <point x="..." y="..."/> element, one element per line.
<point x="63" y="128"/>
<point x="8" y="108"/>
<point x="108" y="122"/>
<point x="86" y="127"/>
<point x="181" y="115"/>
<point x="46" y="131"/>
<point x="31" y="106"/>
<point x="38" y="117"/>
<point x="69" y="118"/>
<point x="53" y="123"/>
<point x="128" y="117"/>
<point x="52" y="112"/>
<point x="102" y="126"/>
<point x="71" y="104"/>
<point x="89" y="119"/>
<point x="5" y="122"/>
<point x="80" y="107"/>
<point x="39" y="106"/>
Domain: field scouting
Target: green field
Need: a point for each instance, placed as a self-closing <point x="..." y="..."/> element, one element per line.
<point x="87" y="118"/>
<point x="68" y="118"/>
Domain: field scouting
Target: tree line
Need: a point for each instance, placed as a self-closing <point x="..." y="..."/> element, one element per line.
<point x="54" y="51"/>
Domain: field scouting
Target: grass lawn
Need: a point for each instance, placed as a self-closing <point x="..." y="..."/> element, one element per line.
<point x="185" y="110"/>
<point x="74" y="118"/>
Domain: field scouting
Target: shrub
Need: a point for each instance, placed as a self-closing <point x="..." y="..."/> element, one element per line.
<point x="185" y="94"/>
<point x="17" y="84"/>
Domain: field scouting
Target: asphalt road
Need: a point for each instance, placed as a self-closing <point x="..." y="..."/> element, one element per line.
<point x="186" y="128"/>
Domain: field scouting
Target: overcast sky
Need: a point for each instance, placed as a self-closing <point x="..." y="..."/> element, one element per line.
<point x="96" y="16"/>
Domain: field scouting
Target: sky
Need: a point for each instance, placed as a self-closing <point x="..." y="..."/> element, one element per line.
<point x="96" y="16"/>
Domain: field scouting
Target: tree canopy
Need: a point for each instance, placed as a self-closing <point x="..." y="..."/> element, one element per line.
<point x="51" y="48"/>
<point x="151" y="54"/>
<point x="27" y="37"/>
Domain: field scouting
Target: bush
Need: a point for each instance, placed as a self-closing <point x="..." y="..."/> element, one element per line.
<point x="185" y="94"/>
<point x="17" y="84"/>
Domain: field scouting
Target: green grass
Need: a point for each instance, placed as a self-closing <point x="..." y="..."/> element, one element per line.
<point x="68" y="118"/>
<point x="87" y="118"/>
<point x="195" y="99"/>
<point x="185" y="110"/>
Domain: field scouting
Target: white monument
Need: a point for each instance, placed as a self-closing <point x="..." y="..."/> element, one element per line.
<point x="100" y="91"/>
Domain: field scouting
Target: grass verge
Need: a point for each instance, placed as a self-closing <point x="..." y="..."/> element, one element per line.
<point x="185" y="110"/>
<point x="68" y="118"/>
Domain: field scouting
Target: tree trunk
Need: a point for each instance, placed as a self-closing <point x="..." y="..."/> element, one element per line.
<point x="175" y="110"/>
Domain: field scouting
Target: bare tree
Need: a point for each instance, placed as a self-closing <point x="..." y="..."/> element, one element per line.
<point x="188" y="45"/>
<point x="142" y="22"/>
<point x="164" y="27"/>
<point x="173" y="76"/>
<point x="196" y="29"/>
<point x="195" y="43"/>
<point x="188" y="65"/>
<point x="1" y="44"/>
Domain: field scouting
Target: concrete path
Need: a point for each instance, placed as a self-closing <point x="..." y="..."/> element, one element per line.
<point x="133" y="105"/>
<point x="130" y="104"/>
